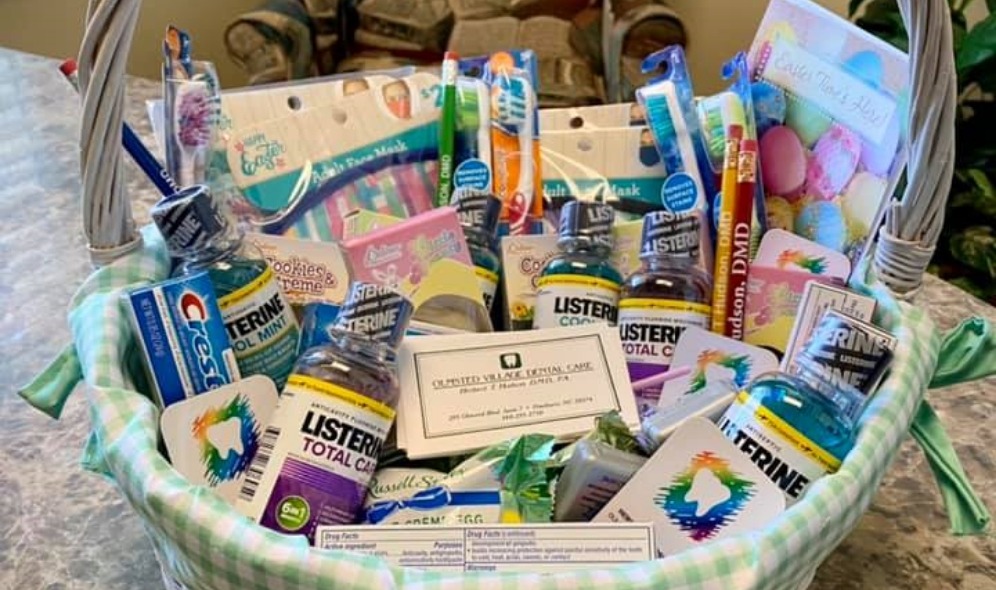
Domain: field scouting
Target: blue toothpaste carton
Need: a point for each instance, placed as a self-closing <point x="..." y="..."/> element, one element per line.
<point x="179" y="328"/>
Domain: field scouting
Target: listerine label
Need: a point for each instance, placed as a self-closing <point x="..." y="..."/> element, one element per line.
<point x="570" y="300"/>
<point x="316" y="458"/>
<point x="488" y="282"/>
<point x="789" y="458"/>
<point x="649" y="330"/>
<point x="262" y="328"/>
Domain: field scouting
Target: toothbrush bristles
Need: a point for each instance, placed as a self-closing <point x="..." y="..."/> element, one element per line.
<point x="195" y="118"/>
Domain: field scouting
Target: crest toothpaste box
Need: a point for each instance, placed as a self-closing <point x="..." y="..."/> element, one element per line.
<point x="178" y="327"/>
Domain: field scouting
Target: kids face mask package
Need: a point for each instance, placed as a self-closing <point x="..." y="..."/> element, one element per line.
<point x="831" y="102"/>
<point x="373" y="150"/>
<point x="669" y="103"/>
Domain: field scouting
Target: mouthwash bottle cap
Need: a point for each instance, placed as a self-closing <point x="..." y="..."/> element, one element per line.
<point x="375" y="312"/>
<point x="478" y="211"/>
<point x="587" y="221"/>
<point x="189" y="220"/>
<point x="670" y="234"/>
<point x="845" y="359"/>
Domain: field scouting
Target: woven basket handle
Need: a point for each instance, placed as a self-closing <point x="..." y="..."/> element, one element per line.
<point x="912" y="226"/>
<point x="907" y="238"/>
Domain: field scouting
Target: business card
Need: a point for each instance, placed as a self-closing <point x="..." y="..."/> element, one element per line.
<point x="462" y="393"/>
<point x="537" y="548"/>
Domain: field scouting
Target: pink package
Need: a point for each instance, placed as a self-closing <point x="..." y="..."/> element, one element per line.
<point x="773" y="298"/>
<point x="426" y="259"/>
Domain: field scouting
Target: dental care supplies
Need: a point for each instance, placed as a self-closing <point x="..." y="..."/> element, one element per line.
<point x="462" y="393"/>
<point x="180" y="331"/>
<point x="259" y="320"/>
<point x="817" y="299"/>
<point x="579" y="286"/>
<point x="800" y="427"/>
<point x="592" y="476"/>
<point x="515" y="138"/>
<point x="212" y="438"/>
<point x="320" y="449"/>
<point x="718" y="364"/>
<point x="533" y="548"/>
<point x="725" y="230"/>
<point x="507" y="483"/>
<point x="657" y="426"/>
<point x="478" y="215"/>
<point x="668" y="101"/>
<point x="697" y="488"/>
<point x="308" y="271"/>
<point x="839" y="146"/>
<point x="787" y="251"/>
<point x="669" y="294"/>
<point x="473" y="171"/>
<point x="425" y="258"/>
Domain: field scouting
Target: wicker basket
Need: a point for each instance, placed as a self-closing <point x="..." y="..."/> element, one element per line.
<point x="201" y="542"/>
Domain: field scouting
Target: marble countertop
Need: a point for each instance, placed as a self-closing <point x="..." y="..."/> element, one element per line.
<point x="62" y="528"/>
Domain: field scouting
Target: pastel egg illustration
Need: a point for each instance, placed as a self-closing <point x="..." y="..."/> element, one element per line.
<point x="823" y="222"/>
<point x="866" y="65"/>
<point x="769" y="105"/>
<point x="783" y="161"/>
<point x="878" y="158"/>
<point x="862" y="197"/>
<point x="806" y="119"/>
<point x="780" y="31"/>
<point x="833" y="162"/>
<point x="780" y="213"/>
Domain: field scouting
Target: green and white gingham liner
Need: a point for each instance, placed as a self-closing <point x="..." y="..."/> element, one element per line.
<point x="202" y="542"/>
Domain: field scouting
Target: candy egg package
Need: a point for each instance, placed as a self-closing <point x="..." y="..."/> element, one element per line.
<point x="829" y="100"/>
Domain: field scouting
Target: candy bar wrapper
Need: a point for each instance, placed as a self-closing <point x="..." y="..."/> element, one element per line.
<point x="505" y="483"/>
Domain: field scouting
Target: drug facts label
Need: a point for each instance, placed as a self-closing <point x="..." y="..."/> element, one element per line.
<point x="316" y="458"/>
<point x="543" y="548"/>
<point x="262" y="328"/>
<point x="789" y="459"/>
<point x="489" y="284"/>
<point x="650" y="329"/>
<point x="571" y="300"/>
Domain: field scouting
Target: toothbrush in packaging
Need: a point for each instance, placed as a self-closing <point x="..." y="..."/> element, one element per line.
<point x="447" y="129"/>
<point x="472" y="143"/>
<point x="669" y="103"/>
<point x="512" y="77"/>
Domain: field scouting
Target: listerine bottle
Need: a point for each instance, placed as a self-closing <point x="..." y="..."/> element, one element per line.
<point x="322" y="444"/>
<point x="799" y="427"/>
<point x="260" y="322"/>
<point x="668" y="294"/>
<point x="478" y="214"/>
<point x="579" y="285"/>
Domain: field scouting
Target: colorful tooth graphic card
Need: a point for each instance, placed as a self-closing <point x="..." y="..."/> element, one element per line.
<point x="697" y="488"/>
<point x="212" y="437"/>
<point x="787" y="251"/>
<point x="717" y="363"/>
<point x="833" y="103"/>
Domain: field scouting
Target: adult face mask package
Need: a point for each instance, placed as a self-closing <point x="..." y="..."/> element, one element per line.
<point x="506" y="483"/>
<point x="373" y="150"/>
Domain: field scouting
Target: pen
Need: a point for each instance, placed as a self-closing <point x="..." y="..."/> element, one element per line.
<point x="132" y="144"/>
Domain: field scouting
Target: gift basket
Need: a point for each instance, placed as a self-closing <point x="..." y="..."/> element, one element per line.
<point x="711" y="391"/>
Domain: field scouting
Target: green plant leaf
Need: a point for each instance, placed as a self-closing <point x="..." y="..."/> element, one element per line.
<point x="855" y="5"/>
<point x="991" y="5"/>
<point x="978" y="46"/>
<point x="976" y="247"/>
<point x="980" y="196"/>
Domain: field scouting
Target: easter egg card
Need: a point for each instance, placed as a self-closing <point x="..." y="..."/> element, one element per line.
<point x="835" y="102"/>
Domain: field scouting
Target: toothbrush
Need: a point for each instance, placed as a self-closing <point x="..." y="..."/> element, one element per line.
<point x="516" y="114"/>
<point x="716" y="114"/>
<point x="447" y="129"/>
<point x="473" y="136"/>
<point x="192" y="126"/>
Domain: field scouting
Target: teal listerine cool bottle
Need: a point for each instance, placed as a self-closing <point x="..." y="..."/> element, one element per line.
<point x="580" y="285"/>
<point x="478" y="214"/>
<point x="799" y="427"/>
<point x="260" y="322"/>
